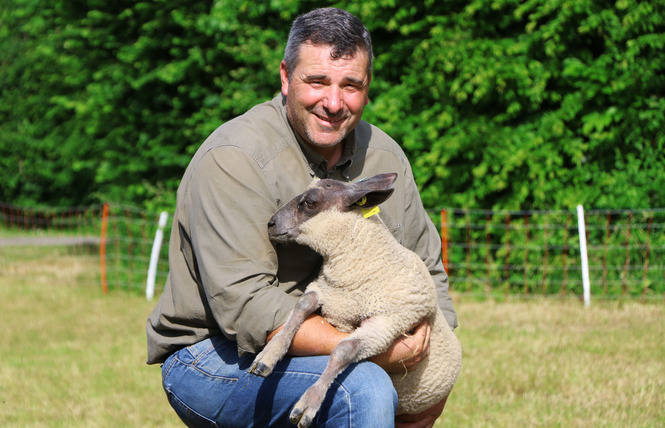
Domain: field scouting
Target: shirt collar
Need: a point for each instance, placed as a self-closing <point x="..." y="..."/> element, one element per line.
<point x="319" y="165"/>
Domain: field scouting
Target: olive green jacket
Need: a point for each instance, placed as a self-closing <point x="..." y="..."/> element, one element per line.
<point x="224" y="273"/>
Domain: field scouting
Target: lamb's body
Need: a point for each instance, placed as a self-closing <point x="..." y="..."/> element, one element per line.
<point x="368" y="275"/>
<point x="369" y="286"/>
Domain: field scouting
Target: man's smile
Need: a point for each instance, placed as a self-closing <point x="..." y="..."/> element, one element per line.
<point x="329" y="121"/>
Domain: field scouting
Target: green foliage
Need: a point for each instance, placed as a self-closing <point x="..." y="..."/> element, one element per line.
<point x="109" y="100"/>
<point x="534" y="104"/>
<point x="538" y="104"/>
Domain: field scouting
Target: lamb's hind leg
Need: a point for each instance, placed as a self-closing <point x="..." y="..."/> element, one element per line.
<point x="306" y="408"/>
<point x="370" y="339"/>
<point x="274" y="350"/>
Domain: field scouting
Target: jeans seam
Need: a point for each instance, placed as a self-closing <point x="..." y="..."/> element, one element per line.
<point x="341" y="386"/>
<point x="197" y="359"/>
<point x="347" y="399"/>
<point x="212" y="376"/>
<point x="203" y="353"/>
<point x="189" y="410"/>
<point x="167" y="369"/>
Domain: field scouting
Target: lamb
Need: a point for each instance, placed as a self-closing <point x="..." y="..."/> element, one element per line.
<point x="369" y="285"/>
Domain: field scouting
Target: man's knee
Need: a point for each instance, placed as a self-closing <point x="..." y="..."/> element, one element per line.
<point x="371" y="382"/>
<point x="364" y="393"/>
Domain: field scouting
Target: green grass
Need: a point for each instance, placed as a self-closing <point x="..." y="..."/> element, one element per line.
<point x="73" y="357"/>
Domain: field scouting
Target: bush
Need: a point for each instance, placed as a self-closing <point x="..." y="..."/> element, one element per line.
<point x="499" y="104"/>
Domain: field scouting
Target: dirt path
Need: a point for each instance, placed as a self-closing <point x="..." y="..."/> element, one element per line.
<point x="49" y="241"/>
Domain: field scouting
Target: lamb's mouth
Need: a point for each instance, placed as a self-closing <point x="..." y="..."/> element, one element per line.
<point x="279" y="237"/>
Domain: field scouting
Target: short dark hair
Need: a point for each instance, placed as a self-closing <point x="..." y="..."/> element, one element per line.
<point x="328" y="26"/>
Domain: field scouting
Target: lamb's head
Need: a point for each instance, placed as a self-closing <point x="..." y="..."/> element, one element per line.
<point x="328" y="195"/>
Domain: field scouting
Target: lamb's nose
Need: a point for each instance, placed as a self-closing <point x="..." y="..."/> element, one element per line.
<point x="271" y="224"/>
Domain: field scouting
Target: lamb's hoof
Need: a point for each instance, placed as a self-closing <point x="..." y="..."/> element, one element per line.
<point x="260" y="369"/>
<point x="306" y="408"/>
<point x="301" y="416"/>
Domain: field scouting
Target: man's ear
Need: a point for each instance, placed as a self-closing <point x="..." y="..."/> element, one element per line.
<point x="284" y="76"/>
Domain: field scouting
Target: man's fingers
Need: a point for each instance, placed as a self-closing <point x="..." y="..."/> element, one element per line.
<point x="421" y="338"/>
<point x="422" y="335"/>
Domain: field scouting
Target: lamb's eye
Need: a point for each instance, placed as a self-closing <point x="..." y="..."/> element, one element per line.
<point x="310" y="203"/>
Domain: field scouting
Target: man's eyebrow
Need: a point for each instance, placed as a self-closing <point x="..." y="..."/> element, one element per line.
<point x="352" y="80"/>
<point x="316" y="77"/>
<point x="355" y="81"/>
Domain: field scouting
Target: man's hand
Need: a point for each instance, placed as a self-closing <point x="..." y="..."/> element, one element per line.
<point x="424" y="419"/>
<point x="407" y="351"/>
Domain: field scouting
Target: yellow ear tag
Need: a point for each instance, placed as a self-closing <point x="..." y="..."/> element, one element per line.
<point x="368" y="212"/>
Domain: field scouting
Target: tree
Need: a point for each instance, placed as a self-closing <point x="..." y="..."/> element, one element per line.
<point x="535" y="104"/>
<point x="499" y="104"/>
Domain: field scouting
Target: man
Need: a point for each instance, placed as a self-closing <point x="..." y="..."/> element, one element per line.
<point x="229" y="289"/>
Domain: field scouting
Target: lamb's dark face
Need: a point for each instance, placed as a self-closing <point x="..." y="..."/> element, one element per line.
<point x="327" y="195"/>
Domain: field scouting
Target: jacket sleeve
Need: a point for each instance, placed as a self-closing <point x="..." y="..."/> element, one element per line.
<point x="230" y="202"/>
<point x="422" y="237"/>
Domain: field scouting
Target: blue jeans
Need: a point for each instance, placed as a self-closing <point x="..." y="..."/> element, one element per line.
<point x="208" y="385"/>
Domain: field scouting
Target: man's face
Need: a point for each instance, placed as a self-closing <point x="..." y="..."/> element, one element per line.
<point x="325" y="96"/>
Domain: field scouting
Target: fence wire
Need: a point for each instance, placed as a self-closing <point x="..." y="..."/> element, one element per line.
<point x="538" y="252"/>
<point x="485" y="252"/>
<point x="130" y="236"/>
<point x="128" y="240"/>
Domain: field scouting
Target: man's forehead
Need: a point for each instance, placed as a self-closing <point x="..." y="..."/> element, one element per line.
<point x="316" y="58"/>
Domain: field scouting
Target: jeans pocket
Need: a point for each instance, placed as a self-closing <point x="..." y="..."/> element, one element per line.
<point x="198" y="384"/>
<point x="190" y="417"/>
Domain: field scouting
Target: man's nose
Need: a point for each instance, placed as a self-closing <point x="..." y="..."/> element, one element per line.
<point x="333" y="99"/>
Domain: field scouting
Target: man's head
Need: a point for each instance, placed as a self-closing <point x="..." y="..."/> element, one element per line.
<point x="329" y="26"/>
<point x="325" y="76"/>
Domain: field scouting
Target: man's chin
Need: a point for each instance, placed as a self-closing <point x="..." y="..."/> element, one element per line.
<point x="325" y="139"/>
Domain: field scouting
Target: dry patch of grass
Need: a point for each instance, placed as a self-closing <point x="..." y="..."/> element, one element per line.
<point x="555" y="363"/>
<point x="73" y="357"/>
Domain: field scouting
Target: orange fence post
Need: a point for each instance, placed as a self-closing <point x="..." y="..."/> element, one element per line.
<point x="444" y="240"/>
<point x="102" y="248"/>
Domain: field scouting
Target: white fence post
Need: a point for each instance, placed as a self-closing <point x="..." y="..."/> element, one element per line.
<point x="583" y="255"/>
<point x="154" y="256"/>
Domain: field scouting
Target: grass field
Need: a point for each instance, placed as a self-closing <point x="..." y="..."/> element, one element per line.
<point x="73" y="357"/>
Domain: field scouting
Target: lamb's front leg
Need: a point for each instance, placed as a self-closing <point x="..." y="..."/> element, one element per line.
<point x="274" y="350"/>
<point x="374" y="336"/>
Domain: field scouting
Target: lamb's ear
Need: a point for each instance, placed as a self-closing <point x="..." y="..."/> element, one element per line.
<point x="372" y="191"/>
